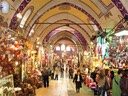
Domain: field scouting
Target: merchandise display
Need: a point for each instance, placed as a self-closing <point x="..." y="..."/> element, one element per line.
<point x="7" y="86"/>
<point x="119" y="52"/>
<point x="47" y="44"/>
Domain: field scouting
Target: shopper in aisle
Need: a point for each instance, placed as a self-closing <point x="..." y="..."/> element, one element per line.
<point x="100" y="79"/>
<point x="116" y="91"/>
<point x="124" y="84"/>
<point x="56" y="73"/>
<point x="107" y="82"/>
<point x="62" y="70"/>
<point x="70" y="72"/>
<point x="45" y="77"/>
<point x="111" y="76"/>
<point x="93" y="74"/>
<point x="52" y="73"/>
<point x="75" y="71"/>
<point x="78" y="80"/>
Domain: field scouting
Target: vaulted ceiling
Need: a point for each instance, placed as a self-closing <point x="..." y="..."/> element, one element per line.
<point x="69" y="20"/>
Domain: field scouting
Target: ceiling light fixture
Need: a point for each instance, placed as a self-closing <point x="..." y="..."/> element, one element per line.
<point x="19" y="15"/>
<point x="122" y="33"/>
<point x="4" y="6"/>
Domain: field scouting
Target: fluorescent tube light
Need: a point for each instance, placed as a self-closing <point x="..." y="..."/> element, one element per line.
<point x="122" y="33"/>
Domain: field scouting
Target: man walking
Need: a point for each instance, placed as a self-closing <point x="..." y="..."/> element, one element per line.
<point x="45" y="77"/>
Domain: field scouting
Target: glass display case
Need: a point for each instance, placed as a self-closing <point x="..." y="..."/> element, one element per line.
<point x="7" y="86"/>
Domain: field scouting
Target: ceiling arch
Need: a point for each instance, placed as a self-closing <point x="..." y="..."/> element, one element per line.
<point x="53" y="27"/>
<point x="61" y="16"/>
<point x="99" y="12"/>
<point x="71" y="32"/>
<point x="58" y="36"/>
<point x="120" y="7"/>
<point x="69" y="29"/>
<point x="43" y="10"/>
<point x="25" y="3"/>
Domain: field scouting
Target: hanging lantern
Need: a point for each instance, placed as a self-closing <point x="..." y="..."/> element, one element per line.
<point x="1" y="68"/>
<point x="7" y="52"/>
<point x="5" y="7"/>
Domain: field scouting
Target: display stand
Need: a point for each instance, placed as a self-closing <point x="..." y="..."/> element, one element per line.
<point x="7" y="86"/>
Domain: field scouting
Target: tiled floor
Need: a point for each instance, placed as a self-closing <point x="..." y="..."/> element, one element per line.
<point x="63" y="87"/>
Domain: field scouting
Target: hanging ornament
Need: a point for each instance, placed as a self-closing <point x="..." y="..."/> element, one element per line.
<point x="5" y="7"/>
<point x="3" y="56"/>
<point x="7" y="52"/>
<point x="1" y="68"/>
<point x="21" y="47"/>
<point x="1" y="40"/>
<point x="9" y="36"/>
<point x="2" y="37"/>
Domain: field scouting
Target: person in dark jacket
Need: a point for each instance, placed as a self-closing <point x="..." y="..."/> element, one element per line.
<point x="78" y="80"/>
<point x="45" y="77"/>
<point x="70" y="73"/>
<point x="94" y="73"/>
<point x="124" y="84"/>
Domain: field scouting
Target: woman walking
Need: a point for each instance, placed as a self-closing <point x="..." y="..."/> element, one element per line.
<point x="56" y="73"/>
<point x="116" y="91"/>
<point x="100" y="79"/>
<point x="107" y="82"/>
<point x="78" y="80"/>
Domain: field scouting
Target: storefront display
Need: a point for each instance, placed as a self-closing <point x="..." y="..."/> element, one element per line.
<point x="119" y="52"/>
<point x="100" y="53"/>
<point x="7" y="86"/>
<point x="102" y="48"/>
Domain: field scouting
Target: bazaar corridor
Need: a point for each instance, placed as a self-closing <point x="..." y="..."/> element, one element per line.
<point x="42" y="40"/>
<point x="63" y="87"/>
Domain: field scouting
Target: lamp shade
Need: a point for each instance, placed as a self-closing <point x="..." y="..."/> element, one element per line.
<point x="5" y="6"/>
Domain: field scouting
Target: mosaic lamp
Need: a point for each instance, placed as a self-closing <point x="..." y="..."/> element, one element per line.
<point x="4" y="6"/>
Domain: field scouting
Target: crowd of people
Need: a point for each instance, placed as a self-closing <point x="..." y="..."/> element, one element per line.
<point x="110" y="83"/>
<point x="73" y="72"/>
<point x="104" y="78"/>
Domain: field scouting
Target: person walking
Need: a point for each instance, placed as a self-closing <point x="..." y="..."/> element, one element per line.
<point x="70" y="73"/>
<point x="107" y="82"/>
<point x="45" y="77"/>
<point x="52" y="74"/>
<point x="100" y="79"/>
<point x="56" y="73"/>
<point x="124" y="84"/>
<point x="78" y="80"/>
<point x="93" y="76"/>
<point x="62" y="71"/>
<point x="116" y="91"/>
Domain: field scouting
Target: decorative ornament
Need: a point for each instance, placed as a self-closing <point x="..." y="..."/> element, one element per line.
<point x="1" y="68"/>
<point x="4" y="7"/>
<point x="21" y="47"/>
<point x="7" y="52"/>
<point x="3" y="57"/>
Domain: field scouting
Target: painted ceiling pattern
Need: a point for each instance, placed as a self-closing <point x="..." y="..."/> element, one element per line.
<point x="84" y="17"/>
